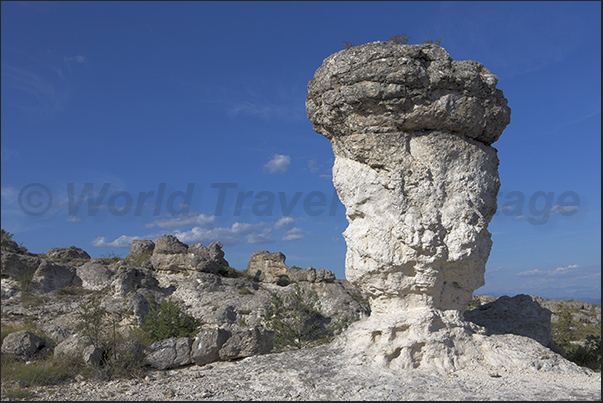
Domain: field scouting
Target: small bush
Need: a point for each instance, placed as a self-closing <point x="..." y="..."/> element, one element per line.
<point x="474" y="303"/>
<point x="399" y="39"/>
<point x="166" y="320"/>
<point x="228" y="271"/>
<point x="437" y="42"/>
<point x="297" y="321"/>
<point x="7" y="235"/>
<point x="348" y="45"/>
<point x="110" y="257"/>
<point x="139" y="260"/>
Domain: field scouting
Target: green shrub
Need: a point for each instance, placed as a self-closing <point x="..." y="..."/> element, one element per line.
<point x="399" y="39"/>
<point x="6" y="235"/>
<point x="110" y="256"/>
<point x="166" y="320"/>
<point x="227" y="271"/>
<point x="474" y="303"/>
<point x="348" y="45"/>
<point x="98" y="327"/>
<point x="437" y="42"/>
<point x="296" y="320"/>
<point x="578" y="342"/>
<point x="137" y="261"/>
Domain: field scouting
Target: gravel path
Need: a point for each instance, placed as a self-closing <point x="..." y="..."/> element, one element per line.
<point x="321" y="374"/>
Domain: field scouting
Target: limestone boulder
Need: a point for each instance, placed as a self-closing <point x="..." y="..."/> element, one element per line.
<point x="50" y="276"/>
<point x="172" y="255"/>
<point x="141" y="247"/>
<point x="519" y="315"/>
<point x="95" y="275"/>
<point x="247" y="342"/>
<point x="23" y="344"/>
<point x="270" y="267"/>
<point x="207" y="345"/>
<point x="67" y="253"/>
<point x="169" y="353"/>
<point x="17" y="266"/>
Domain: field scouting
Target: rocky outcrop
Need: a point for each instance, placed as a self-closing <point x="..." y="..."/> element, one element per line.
<point x="169" y="254"/>
<point x="520" y="315"/>
<point x="17" y="266"/>
<point x="95" y="275"/>
<point x="67" y="253"/>
<point x="411" y="130"/>
<point x="232" y="304"/>
<point x="50" y="276"/>
<point x="24" y="344"/>
<point x="140" y="248"/>
<point x="270" y="267"/>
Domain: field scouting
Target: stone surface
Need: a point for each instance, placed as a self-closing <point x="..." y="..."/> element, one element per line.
<point x="411" y="131"/>
<point x="17" y="266"/>
<point x="247" y="342"/>
<point x="169" y="353"/>
<point x="320" y="374"/>
<point x="50" y="276"/>
<point x="23" y="344"/>
<point x="384" y="88"/>
<point x="141" y="247"/>
<point x="94" y="275"/>
<point x="172" y="255"/>
<point x="270" y="267"/>
<point x="207" y="345"/>
<point x="67" y="253"/>
<point x="519" y="315"/>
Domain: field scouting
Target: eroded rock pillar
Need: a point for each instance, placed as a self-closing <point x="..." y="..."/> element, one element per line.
<point x="411" y="131"/>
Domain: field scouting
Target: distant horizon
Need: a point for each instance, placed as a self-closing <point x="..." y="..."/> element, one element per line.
<point x="131" y="120"/>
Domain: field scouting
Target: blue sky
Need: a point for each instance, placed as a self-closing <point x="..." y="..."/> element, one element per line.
<point x="193" y="114"/>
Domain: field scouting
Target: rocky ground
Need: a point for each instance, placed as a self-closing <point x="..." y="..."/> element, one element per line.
<point x="321" y="374"/>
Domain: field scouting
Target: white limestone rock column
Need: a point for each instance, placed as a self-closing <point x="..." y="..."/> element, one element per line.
<point x="411" y="131"/>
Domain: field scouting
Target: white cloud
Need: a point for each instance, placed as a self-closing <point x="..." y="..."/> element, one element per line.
<point x="558" y="271"/>
<point x="200" y="220"/>
<point x="294" y="234"/>
<point x="563" y="270"/>
<point x="9" y="194"/>
<point x="278" y="163"/>
<point x="265" y="236"/>
<point x="123" y="241"/>
<point x="531" y="272"/>
<point x="285" y="224"/>
<point x="228" y="236"/>
<point x="77" y="59"/>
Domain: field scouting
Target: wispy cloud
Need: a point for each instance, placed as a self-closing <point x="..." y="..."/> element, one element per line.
<point x="123" y="241"/>
<point x="558" y="271"/>
<point x="278" y="163"/>
<point x="228" y="236"/>
<point x="200" y="220"/>
<point x="77" y="59"/>
<point x="294" y="234"/>
<point x="285" y="224"/>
